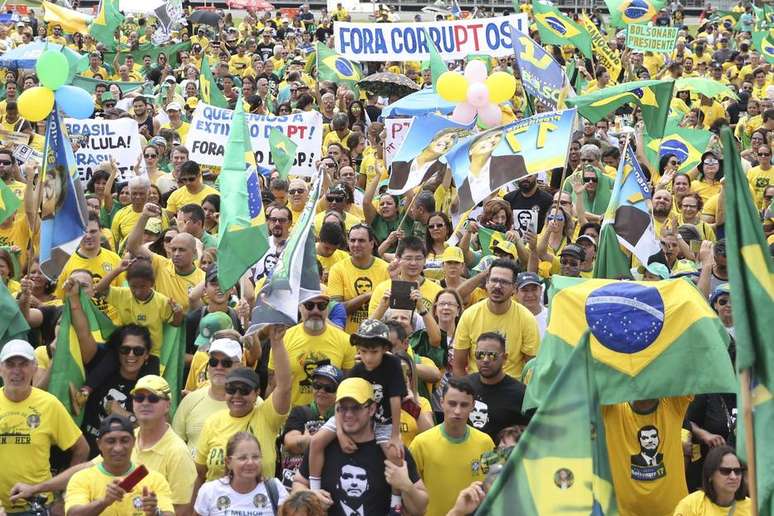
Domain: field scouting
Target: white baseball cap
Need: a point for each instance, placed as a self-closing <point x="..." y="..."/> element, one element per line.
<point x="229" y="347"/>
<point x="17" y="348"/>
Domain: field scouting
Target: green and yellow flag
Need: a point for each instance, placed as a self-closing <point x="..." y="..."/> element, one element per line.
<point x="9" y="203"/>
<point x="726" y="18"/>
<point x="333" y="67"/>
<point x="764" y="42"/>
<point x="67" y="371"/>
<point x="653" y="98"/>
<point x="13" y="325"/>
<point x="751" y="281"/>
<point x="487" y="238"/>
<point x="557" y="29"/>
<point x="624" y="12"/>
<point x="687" y="145"/>
<point x="642" y="336"/>
<point x="172" y="362"/>
<point x="560" y="464"/>
<point x="242" y="236"/>
<point x="72" y="21"/>
<point x="104" y="26"/>
<point x="435" y="63"/>
<point x="208" y="88"/>
<point x="283" y="151"/>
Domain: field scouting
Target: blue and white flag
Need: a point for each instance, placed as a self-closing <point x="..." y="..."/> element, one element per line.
<point x="543" y="78"/>
<point x="63" y="206"/>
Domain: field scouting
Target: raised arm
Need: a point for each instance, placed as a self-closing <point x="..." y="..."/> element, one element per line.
<point x="134" y="240"/>
<point x="280" y="396"/>
<point x="369" y="212"/>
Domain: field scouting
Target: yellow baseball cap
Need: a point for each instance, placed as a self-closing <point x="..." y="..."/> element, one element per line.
<point x="452" y="254"/>
<point x="506" y="246"/>
<point x="153" y="383"/>
<point x="358" y="389"/>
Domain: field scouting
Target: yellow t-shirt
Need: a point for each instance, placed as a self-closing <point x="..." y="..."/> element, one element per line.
<point x="711" y="113"/>
<point x="101" y="71"/>
<point x="448" y="465"/>
<point x="182" y="196"/>
<point x="328" y="261"/>
<point x="197" y="373"/>
<point x="100" y="265"/>
<point x="182" y="131"/>
<point x="333" y="137"/>
<point x="408" y="425"/>
<point x="170" y="457"/>
<point x="517" y="325"/>
<point x="705" y="190"/>
<point x="174" y="285"/>
<point x="151" y="314"/>
<point x="759" y="179"/>
<point x="429" y="289"/>
<point x="697" y="504"/>
<point x="17" y="233"/>
<point x="123" y="222"/>
<point x="192" y="413"/>
<point x="710" y="208"/>
<point x="263" y="422"/>
<point x="29" y="429"/>
<point x="347" y="281"/>
<point x="370" y="165"/>
<point x="89" y="485"/>
<point x="238" y="64"/>
<point x="307" y="351"/>
<point x="650" y="485"/>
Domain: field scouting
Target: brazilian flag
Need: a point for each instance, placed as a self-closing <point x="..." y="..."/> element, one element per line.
<point x="764" y="42"/>
<point x="726" y="18"/>
<point x="172" y="362"/>
<point x="557" y="29"/>
<point x="751" y="279"/>
<point x="687" y="145"/>
<point x="208" y="88"/>
<point x="9" y="203"/>
<point x="333" y="67"/>
<point x="624" y="12"/>
<point x="652" y="97"/>
<point x="487" y="238"/>
<point x="560" y="464"/>
<point x="283" y="151"/>
<point x="644" y="336"/>
<point x="104" y="26"/>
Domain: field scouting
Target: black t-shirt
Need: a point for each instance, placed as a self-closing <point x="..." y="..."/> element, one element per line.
<point x="116" y="389"/>
<point x="303" y="418"/>
<point x="497" y="406"/>
<point x="540" y="201"/>
<point x="373" y="112"/>
<point x="265" y="49"/>
<point x="356" y="482"/>
<point x="388" y="382"/>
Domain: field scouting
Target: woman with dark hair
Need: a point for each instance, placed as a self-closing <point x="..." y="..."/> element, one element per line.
<point x="707" y="182"/>
<point x="284" y="109"/>
<point x="8" y="271"/>
<point x="439" y="230"/>
<point x="211" y="207"/>
<point x="723" y="490"/>
<point x="96" y="184"/>
<point x="244" y="485"/>
<point x="356" y="113"/>
<point x="385" y="219"/>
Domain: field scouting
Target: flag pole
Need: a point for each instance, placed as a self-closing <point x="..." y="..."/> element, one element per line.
<point x="749" y="440"/>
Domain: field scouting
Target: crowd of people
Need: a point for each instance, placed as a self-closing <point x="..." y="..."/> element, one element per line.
<point x="402" y="384"/>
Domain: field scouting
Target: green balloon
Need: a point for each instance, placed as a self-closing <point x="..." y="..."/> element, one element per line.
<point x="52" y="69"/>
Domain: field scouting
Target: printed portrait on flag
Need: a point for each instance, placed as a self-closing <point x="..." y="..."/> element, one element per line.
<point x="54" y="191"/>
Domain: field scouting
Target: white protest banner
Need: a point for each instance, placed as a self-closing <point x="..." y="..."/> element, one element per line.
<point x="396" y="129"/>
<point x="102" y="139"/>
<point x="208" y="134"/>
<point x="454" y="39"/>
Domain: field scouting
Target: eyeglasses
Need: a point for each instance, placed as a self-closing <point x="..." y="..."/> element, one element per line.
<point x="275" y="220"/>
<point x="5" y="162"/>
<point x="447" y="303"/>
<point x="590" y="180"/>
<point x="558" y="218"/>
<point x="334" y="198"/>
<point x="343" y="409"/>
<point x="487" y="355"/>
<point x="136" y="351"/>
<point x="152" y="398"/>
<point x="727" y="471"/>
<point x="327" y="387"/>
<point x="151" y="155"/>
<point x="723" y="301"/>
<point x="436" y="226"/>
<point x="295" y="191"/>
<point x="500" y="281"/>
<point x="225" y="362"/>
<point x="243" y="390"/>
<point x="311" y="305"/>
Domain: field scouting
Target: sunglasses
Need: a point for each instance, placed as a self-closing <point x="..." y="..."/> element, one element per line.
<point x="554" y="217"/>
<point x="225" y="362"/>
<point x="5" y="162"/>
<point x="295" y="191"/>
<point x="764" y="154"/>
<point x="586" y="160"/>
<point x="672" y="162"/>
<point x="727" y="471"/>
<point x="436" y="226"/>
<point x="126" y="350"/>
<point x="275" y="220"/>
<point x="320" y="305"/>
<point x="151" y="155"/>
<point x="327" y="387"/>
<point x="710" y="162"/>
<point x="723" y="301"/>
<point x="334" y="198"/>
<point x="152" y="398"/>
<point x="590" y="180"/>
<point x="243" y="390"/>
<point x="486" y="355"/>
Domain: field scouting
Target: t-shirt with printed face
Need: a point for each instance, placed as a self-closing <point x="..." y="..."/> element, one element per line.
<point x="497" y="406"/>
<point x="356" y="482"/>
<point x="388" y="382"/>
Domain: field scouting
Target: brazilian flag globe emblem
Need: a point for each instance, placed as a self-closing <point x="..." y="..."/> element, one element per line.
<point x="764" y="41"/>
<point x="343" y="68"/>
<point x="642" y="336"/>
<point x="637" y="11"/>
<point x="557" y="25"/>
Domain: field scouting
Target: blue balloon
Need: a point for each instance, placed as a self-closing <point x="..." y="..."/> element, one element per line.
<point x="75" y="102"/>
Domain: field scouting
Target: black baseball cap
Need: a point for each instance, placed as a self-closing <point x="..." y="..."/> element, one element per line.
<point x="244" y="375"/>
<point x="575" y="251"/>
<point x="527" y="278"/>
<point x="115" y="423"/>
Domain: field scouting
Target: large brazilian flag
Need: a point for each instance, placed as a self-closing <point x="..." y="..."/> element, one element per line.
<point x="645" y="339"/>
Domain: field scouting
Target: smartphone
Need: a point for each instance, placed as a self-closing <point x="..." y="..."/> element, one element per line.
<point x="411" y="407"/>
<point x="133" y="478"/>
<point x="400" y="293"/>
<point x="695" y="246"/>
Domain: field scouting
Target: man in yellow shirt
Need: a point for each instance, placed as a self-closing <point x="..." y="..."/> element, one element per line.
<point x="761" y="176"/>
<point x="176" y="123"/>
<point x="450" y="455"/>
<point x="96" y="490"/>
<point x="127" y="218"/>
<point x="95" y="67"/>
<point x="175" y="276"/>
<point x="193" y="191"/>
<point x="311" y="343"/>
<point x="499" y="312"/>
<point x="33" y="422"/>
<point x="351" y="281"/>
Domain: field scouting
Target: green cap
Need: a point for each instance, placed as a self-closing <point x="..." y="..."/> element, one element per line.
<point x="210" y="325"/>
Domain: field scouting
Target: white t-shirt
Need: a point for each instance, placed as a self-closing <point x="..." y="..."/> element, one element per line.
<point x="542" y="320"/>
<point x="217" y="498"/>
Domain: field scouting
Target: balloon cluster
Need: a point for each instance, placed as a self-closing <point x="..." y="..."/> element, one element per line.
<point x="53" y="70"/>
<point x="476" y="94"/>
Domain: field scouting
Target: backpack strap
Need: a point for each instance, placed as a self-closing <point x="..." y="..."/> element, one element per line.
<point x="273" y="492"/>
